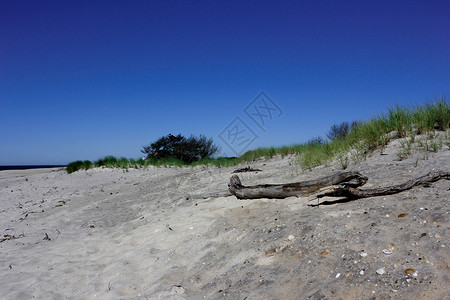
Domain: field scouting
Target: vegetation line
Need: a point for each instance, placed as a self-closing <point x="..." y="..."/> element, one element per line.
<point x="345" y="142"/>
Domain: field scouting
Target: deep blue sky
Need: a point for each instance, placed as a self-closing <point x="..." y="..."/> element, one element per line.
<point x="84" y="79"/>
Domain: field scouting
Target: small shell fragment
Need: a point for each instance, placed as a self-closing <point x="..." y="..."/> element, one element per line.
<point x="387" y="252"/>
<point x="381" y="271"/>
<point x="363" y="254"/>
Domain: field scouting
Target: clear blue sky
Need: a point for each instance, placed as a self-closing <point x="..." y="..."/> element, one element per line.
<point x="84" y="79"/>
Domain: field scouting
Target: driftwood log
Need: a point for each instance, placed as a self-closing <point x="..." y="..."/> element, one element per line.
<point x="353" y="179"/>
<point x="355" y="193"/>
<point x="342" y="184"/>
<point x="305" y="188"/>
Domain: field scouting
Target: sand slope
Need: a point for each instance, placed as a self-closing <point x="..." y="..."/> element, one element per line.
<point x="131" y="235"/>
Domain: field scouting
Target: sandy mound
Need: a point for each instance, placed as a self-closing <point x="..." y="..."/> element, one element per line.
<point x="112" y="234"/>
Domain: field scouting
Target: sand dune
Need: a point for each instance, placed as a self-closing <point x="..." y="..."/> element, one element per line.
<point x="111" y="234"/>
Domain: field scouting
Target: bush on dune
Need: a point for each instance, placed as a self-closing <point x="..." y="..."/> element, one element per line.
<point x="188" y="150"/>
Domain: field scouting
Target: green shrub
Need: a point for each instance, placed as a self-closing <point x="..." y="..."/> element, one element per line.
<point x="185" y="149"/>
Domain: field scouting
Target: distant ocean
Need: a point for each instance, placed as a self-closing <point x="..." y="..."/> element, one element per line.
<point x="25" y="167"/>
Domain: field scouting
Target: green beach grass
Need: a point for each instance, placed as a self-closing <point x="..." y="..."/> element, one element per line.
<point x="363" y="138"/>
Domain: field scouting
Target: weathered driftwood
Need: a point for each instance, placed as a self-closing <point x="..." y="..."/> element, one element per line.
<point x="343" y="184"/>
<point x="280" y="191"/>
<point x="355" y="193"/>
<point x="247" y="169"/>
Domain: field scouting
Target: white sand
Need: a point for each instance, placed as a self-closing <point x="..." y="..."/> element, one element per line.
<point x="26" y="172"/>
<point x="132" y="235"/>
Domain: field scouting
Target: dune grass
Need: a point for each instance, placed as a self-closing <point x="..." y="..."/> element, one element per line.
<point x="78" y="165"/>
<point x="363" y="138"/>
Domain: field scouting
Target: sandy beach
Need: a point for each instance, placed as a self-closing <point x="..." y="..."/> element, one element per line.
<point x="115" y="234"/>
<point x="26" y="172"/>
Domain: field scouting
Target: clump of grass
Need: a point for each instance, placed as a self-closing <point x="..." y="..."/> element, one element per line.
<point x="271" y="152"/>
<point x="87" y="164"/>
<point x="440" y="114"/>
<point x="314" y="155"/>
<point x="343" y="160"/>
<point x="431" y="116"/>
<point x="163" y="162"/>
<point x="406" y="148"/>
<point x="108" y="162"/>
<point x="258" y="153"/>
<point x="133" y="163"/>
<point x="123" y="163"/>
<point x="79" y="165"/>
<point x="400" y="120"/>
